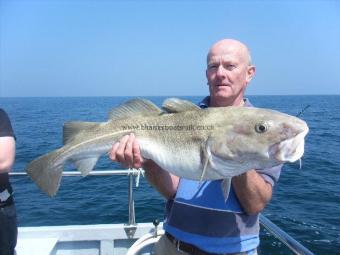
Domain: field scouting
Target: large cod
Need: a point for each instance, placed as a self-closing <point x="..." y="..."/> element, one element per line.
<point x="194" y="143"/>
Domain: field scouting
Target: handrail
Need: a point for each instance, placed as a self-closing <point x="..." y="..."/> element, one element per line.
<point x="286" y="239"/>
<point x="132" y="217"/>
<point x="129" y="172"/>
<point x="134" y="172"/>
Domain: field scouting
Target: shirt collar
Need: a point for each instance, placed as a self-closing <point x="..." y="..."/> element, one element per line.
<point x="206" y="101"/>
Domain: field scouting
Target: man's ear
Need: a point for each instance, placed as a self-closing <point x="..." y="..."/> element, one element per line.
<point x="206" y="75"/>
<point x="250" y="73"/>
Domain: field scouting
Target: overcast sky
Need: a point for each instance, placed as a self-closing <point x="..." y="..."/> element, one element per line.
<point x="158" y="48"/>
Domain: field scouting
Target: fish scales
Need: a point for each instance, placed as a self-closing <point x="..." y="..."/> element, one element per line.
<point x="198" y="144"/>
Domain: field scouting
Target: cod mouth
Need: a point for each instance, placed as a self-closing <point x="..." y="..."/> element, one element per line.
<point x="289" y="150"/>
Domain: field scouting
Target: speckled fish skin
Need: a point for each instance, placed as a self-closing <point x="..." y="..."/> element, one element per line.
<point x="198" y="144"/>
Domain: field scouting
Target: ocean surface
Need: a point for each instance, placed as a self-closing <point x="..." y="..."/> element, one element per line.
<point x="306" y="201"/>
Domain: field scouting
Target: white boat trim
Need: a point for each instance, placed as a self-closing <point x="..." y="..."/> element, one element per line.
<point x="98" y="239"/>
<point x="111" y="239"/>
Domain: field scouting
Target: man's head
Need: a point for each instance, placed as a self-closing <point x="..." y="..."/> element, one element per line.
<point x="229" y="70"/>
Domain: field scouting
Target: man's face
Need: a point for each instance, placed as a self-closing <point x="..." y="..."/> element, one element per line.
<point x="228" y="73"/>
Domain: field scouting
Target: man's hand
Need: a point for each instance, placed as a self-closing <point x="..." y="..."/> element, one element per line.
<point x="127" y="152"/>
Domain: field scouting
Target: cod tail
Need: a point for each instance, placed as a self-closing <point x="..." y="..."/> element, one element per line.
<point x="46" y="173"/>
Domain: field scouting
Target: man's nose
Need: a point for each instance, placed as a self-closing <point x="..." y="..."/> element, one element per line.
<point x="220" y="72"/>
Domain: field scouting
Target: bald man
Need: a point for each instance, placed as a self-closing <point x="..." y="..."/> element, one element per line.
<point x="199" y="220"/>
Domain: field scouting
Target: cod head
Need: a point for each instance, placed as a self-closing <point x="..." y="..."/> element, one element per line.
<point x="254" y="138"/>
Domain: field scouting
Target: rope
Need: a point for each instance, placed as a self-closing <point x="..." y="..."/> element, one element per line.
<point x="144" y="241"/>
<point x="136" y="172"/>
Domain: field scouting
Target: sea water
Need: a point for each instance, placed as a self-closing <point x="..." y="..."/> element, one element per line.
<point x="305" y="203"/>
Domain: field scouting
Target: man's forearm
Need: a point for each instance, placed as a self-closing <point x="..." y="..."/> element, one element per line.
<point x="165" y="183"/>
<point x="252" y="191"/>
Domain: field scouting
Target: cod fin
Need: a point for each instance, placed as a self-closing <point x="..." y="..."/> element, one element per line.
<point x="85" y="165"/>
<point x="134" y="107"/>
<point x="46" y="175"/>
<point x="206" y="159"/>
<point x="226" y="185"/>
<point x="174" y="105"/>
<point x="72" y="128"/>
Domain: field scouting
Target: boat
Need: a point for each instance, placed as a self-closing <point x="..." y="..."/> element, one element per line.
<point x="128" y="238"/>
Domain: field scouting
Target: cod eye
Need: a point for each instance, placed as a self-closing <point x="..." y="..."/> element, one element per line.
<point x="261" y="127"/>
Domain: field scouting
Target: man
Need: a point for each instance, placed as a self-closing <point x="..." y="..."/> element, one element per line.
<point x="8" y="225"/>
<point x="199" y="220"/>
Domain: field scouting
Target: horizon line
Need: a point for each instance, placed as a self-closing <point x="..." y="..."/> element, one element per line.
<point x="166" y="96"/>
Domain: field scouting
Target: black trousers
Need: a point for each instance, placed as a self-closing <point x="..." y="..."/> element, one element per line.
<point x="8" y="230"/>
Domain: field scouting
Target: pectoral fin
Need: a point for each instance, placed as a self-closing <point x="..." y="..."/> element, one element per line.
<point x="218" y="145"/>
<point x="206" y="156"/>
<point x="205" y="165"/>
<point x="226" y="185"/>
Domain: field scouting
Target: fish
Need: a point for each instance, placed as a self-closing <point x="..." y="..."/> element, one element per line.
<point x="189" y="142"/>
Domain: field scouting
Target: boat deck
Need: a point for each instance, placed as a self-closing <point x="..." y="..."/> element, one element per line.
<point x="105" y="239"/>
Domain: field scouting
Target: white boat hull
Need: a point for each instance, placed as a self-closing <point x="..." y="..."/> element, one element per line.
<point x="106" y="239"/>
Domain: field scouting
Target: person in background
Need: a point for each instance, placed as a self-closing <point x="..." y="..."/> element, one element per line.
<point x="8" y="222"/>
<point x="199" y="220"/>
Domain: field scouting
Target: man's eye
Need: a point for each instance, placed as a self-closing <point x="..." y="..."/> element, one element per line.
<point x="230" y="67"/>
<point x="212" y="66"/>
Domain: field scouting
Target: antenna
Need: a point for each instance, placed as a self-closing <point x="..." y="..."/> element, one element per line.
<point x="303" y="110"/>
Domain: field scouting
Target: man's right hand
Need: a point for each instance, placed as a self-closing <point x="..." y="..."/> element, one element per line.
<point x="127" y="152"/>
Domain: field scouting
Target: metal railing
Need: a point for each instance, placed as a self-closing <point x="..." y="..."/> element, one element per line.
<point x="292" y="244"/>
<point x="129" y="172"/>
<point x="285" y="238"/>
